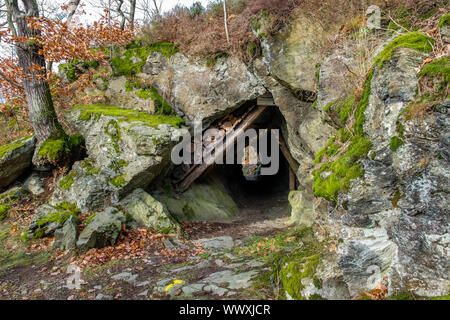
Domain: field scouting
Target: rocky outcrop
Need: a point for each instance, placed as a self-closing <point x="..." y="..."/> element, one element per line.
<point x="15" y="158"/>
<point x="393" y="222"/>
<point x="126" y="150"/>
<point x="199" y="92"/>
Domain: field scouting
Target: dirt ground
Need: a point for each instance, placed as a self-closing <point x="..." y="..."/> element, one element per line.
<point x="194" y="268"/>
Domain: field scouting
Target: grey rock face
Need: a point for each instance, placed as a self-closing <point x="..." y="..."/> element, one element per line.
<point x="15" y="160"/>
<point x="148" y="212"/>
<point x="292" y="55"/>
<point x="34" y="184"/>
<point x="102" y="231"/>
<point x="203" y="93"/>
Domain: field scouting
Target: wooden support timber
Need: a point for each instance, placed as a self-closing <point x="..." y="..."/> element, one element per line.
<point x="243" y="124"/>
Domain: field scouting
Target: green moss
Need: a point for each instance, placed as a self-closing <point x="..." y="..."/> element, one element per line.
<point x="439" y="68"/>
<point x="89" y="168"/>
<point x="345" y="109"/>
<point x="413" y="40"/>
<point x="63" y="212"/>
<point x="129" y="86"/>
<point x="330" y="149"/>
<point x="397" y="196"/>
<point x="53" y="149"/>
<point x="316" y="296"/>
<point x="401" y="296"/>
<point x="117" y="165"/>
<point x="13" y="146"/>
<point x="126" y="115"/>
<point x="90" y="218"/>
<point x="69" y="70"/>
<point x="444" y="20"/>
<point x="446" y="297"/>
<point x="67" y="182"/>
<point x="24" y="236"/>
<point x="3" y="211"/>
<point x="396" y="143"/>
<point x="342" y="170"/>
<point x="91" y="65"/>
<point x="112" y="129"/>
<point x="118" y="181"/>
<point x="133" y="60"/>
<point x="360" y="117"/>
<point x="296" y="269"/>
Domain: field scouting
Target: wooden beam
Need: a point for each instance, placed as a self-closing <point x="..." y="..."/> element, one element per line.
<point x="199" y="170"/>
<point x="293" y="164"/>
<point x="292" y="179"/>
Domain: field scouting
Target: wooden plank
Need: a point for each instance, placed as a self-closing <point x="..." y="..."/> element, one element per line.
<point x="292" y="179"/>
<point x="293" y="164"/>
<point x="229" y="142"/>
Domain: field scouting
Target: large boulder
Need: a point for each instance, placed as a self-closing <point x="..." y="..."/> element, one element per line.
<point x="103" y="230"/>
<point x="206" y="200"/>
<point x="66" y="237"/>
<point x="303" y="211"/>
<point x="148" y="212"/>
<point x="15" y="158"/>
<point x="126" y="149"/>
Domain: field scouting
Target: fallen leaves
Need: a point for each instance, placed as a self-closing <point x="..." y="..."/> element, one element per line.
<point x="379" y="292"/>
<point x="135" y="244"/>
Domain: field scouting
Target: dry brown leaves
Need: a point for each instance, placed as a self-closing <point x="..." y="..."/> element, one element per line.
<point x="379" y="292"/>
<point x="136" y="244"/>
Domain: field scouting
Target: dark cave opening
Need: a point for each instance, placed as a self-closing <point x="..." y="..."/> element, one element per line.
<point x="268" y="189"/>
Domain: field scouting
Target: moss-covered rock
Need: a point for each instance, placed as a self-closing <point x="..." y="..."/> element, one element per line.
<point x="50" y="218"/>
<point x="205" y="200"/>
<point x="15" y="158"/>
<point x="132" y="60"/>
<point x="148" y="212"/>
<point x="88" y="111"/>
<point x="58" y="150"/>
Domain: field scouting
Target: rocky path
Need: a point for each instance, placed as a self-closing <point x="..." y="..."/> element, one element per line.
<point x="223" y="271"/>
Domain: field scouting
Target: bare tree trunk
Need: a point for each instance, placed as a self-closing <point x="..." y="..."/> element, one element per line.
<point x="40" y="104"/>
<point x="73" y="6"/>
<point x="132" y="13"/>
<point x="225" y="17"/>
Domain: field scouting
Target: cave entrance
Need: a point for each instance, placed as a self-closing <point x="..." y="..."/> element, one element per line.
<point x="262" y="115"/>
<point x="258" y="198"/>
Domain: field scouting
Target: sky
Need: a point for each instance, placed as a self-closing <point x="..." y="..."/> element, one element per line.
<point x="167" y="5"/>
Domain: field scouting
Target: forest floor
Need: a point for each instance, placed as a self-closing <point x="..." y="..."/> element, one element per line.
<point x="216" y="261"/>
